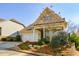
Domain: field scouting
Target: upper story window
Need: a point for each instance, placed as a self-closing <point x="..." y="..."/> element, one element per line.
<point x="47" y="17"/>
<point x="0" y="30"/>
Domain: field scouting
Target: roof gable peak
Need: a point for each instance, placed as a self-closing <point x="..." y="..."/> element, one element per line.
<point x="47" y="9"/>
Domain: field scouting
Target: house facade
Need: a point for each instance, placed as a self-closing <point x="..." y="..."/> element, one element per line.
<point x="47" y="23"/>
<point x="9" y="29"/>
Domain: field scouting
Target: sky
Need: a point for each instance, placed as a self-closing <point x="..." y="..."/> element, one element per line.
<point x="27" y="13"/>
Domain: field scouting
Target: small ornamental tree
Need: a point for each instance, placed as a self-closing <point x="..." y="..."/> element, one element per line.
<point x="59" y="42"/>
<point x="74" y="38"/>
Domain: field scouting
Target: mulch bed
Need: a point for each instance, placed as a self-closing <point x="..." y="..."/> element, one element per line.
<point x="46" y="49"/>
<point x="43" y="49"/>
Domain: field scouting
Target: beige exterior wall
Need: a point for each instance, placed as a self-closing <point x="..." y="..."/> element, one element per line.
<point x="9" y="27"/>
<point x="28" y="35"/>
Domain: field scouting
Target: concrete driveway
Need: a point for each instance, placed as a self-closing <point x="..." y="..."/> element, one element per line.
<point x="5" y="51"/>
<point x="6" y="45"/>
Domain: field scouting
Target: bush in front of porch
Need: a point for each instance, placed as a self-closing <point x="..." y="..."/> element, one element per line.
<point x="60" y="41"/>
<point x="43" y="41"/>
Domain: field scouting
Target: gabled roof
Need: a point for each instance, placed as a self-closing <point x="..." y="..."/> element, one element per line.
<point x="48" y="16"/>
<point x="13" y="20"/>
<point x="9" y="27"/>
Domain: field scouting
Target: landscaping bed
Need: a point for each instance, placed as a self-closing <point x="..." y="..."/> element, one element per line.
<point x="34" y="47"/>
<point x="45" y="49"/>
<point x="60" y="45"/>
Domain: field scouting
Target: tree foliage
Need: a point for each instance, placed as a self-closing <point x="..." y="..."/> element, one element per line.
<point x="60" y="41"/>
<point x="43" y="41"/>
<point x="74" y="38"/>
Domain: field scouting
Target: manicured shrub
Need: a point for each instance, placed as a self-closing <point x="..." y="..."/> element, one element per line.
<point x="18" y="38"/>
<point x="24" y="46"/>
<point x="4" y="39"/>
<point x="10" y="39"/>
<point x="43" y="41"/>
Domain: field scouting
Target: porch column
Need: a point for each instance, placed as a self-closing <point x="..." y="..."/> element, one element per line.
<point x="34" y="34"/>
<point x="44" y="32"/>
<point x="50" y="35"/>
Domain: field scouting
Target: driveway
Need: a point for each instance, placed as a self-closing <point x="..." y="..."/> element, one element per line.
<point x="6" y="45"/>
<point x="5" y="51"/>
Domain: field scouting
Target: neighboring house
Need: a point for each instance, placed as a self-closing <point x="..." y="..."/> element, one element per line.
<point x="47" y="23"/>
<point x="9" y="28"/>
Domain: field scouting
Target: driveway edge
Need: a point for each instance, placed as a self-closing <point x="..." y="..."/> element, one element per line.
<point x="29" y="52"/>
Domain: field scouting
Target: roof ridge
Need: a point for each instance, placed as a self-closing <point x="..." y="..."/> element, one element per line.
<point x="13" y="20"/>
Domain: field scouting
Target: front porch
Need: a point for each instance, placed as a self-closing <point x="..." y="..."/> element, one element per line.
<point x="46" y="24"/>
<point x="45" y="31"/>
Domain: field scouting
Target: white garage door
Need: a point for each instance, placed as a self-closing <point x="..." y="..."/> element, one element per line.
<point x="29" y="37"/>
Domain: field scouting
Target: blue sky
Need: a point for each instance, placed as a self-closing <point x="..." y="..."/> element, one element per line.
<point x="27" y="13"/>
